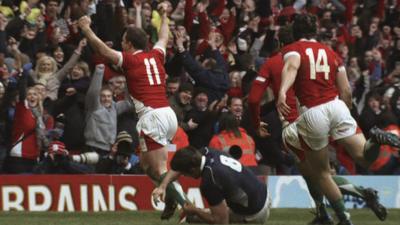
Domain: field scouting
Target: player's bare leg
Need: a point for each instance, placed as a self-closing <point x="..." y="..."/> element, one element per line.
<point x="154" y="163"/>
<point x="354" y="145"/>
<point x="319" y="163"/>
<point x="321" y="216"/>
<point x="367" y="151"/>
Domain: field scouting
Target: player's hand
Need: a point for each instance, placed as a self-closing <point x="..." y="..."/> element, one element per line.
<point x="84" y="22"/>
<point x="263" y="130"/>
<point x="281" y="105"/>
<point x="189" y="208"/>
<point x="158" y="195"/>
<point x="162" y="8"/>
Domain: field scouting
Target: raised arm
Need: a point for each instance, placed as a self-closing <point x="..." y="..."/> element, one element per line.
<point x="97" y="44"/>
<point x="289" y="73"/>
<point x="191" y="65"/>
<point x="163" y="34"/>
<point x="138" y="7"/>
<point x="92" y="100"/>
<point x="23" y="81"/>
<point x="216" y="54"/>
<point x="60" y="75"/>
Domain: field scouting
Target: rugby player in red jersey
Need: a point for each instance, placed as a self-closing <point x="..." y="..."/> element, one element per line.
<point x="270" y="75"/>
<point x="145" y="75"/>
<point x="321" y="86"/>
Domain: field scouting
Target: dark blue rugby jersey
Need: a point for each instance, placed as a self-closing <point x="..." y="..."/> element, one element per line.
<point x="225" y="178"/>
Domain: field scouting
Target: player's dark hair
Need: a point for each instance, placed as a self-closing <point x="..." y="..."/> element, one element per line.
<point x="186" y="159"/>
<point x="137" y="37"/>
<point x="285" y="35"/>
<point x="304" y="26"/>
<point x="229" y="123"/>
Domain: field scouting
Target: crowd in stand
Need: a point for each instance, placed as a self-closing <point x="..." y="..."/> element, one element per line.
<point x="63" y="113"/>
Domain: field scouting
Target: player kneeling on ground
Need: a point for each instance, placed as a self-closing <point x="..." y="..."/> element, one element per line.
<point x="233" y="192"/>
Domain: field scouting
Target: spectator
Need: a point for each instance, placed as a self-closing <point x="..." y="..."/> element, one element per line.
<point x="231" y="134"/>
<point x="180" y="102"/>
<point x="211" y="74"/>
<point x="71" y="104"/>
<point x="118" y="86"/>
<point x="235" y="89"/>
<point x="29" y="139"/>
<point x="173" y="84"/>
<point x="46" y="71"/>
<point x="370" y="113"/>
<point x="388" y="159"/>
<point x="126" y="121"/>
<point x="118" y="161"/>
<point x="101" y="115"/>
<point x="200" y="120"/>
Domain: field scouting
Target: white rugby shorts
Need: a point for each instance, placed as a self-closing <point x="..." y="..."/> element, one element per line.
<point x="317" y="124"/>
<point x="159" y="124"/>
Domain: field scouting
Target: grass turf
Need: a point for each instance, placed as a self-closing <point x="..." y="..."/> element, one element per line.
<point x="278" y="217"/>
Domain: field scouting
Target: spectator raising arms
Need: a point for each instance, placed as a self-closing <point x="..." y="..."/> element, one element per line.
<point x="29" y="129"/>
<point x="101" y="114"/>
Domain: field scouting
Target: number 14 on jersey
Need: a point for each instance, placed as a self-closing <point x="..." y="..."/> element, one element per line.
<point x="319" y="66"/>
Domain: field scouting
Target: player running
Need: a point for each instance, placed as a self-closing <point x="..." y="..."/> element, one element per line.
<point x="321" y="85"/>
<point x="270" y="75"/>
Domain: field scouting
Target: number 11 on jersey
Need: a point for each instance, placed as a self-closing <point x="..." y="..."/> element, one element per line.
<point x="319" y="66"/>
<point x="151" y="63"/>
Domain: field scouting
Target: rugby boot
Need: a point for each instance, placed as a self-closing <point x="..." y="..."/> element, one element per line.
<point x="345" y="222"/>
<point x="322" y="217"/>
<point x="169" y="209"/>
<point x="372" y="201"/>
<point x="321" y="220"/>
<point x="384" y="138"/>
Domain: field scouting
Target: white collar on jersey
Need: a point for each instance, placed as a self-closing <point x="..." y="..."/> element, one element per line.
<point x="137" y="51"/>
<point x="203" y="162"/>
<point x="311" y="40"/>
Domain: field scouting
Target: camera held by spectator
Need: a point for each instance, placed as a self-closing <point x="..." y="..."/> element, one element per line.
<point x="118" y="161"/>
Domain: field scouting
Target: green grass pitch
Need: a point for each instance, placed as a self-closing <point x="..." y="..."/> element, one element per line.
<point x="278" y="217"/>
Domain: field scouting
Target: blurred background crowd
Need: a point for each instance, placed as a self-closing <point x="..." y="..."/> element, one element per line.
<point x="59" y="115"/>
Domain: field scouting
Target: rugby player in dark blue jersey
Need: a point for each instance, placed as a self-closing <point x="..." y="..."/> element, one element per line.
<point x="234" y="194"/>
